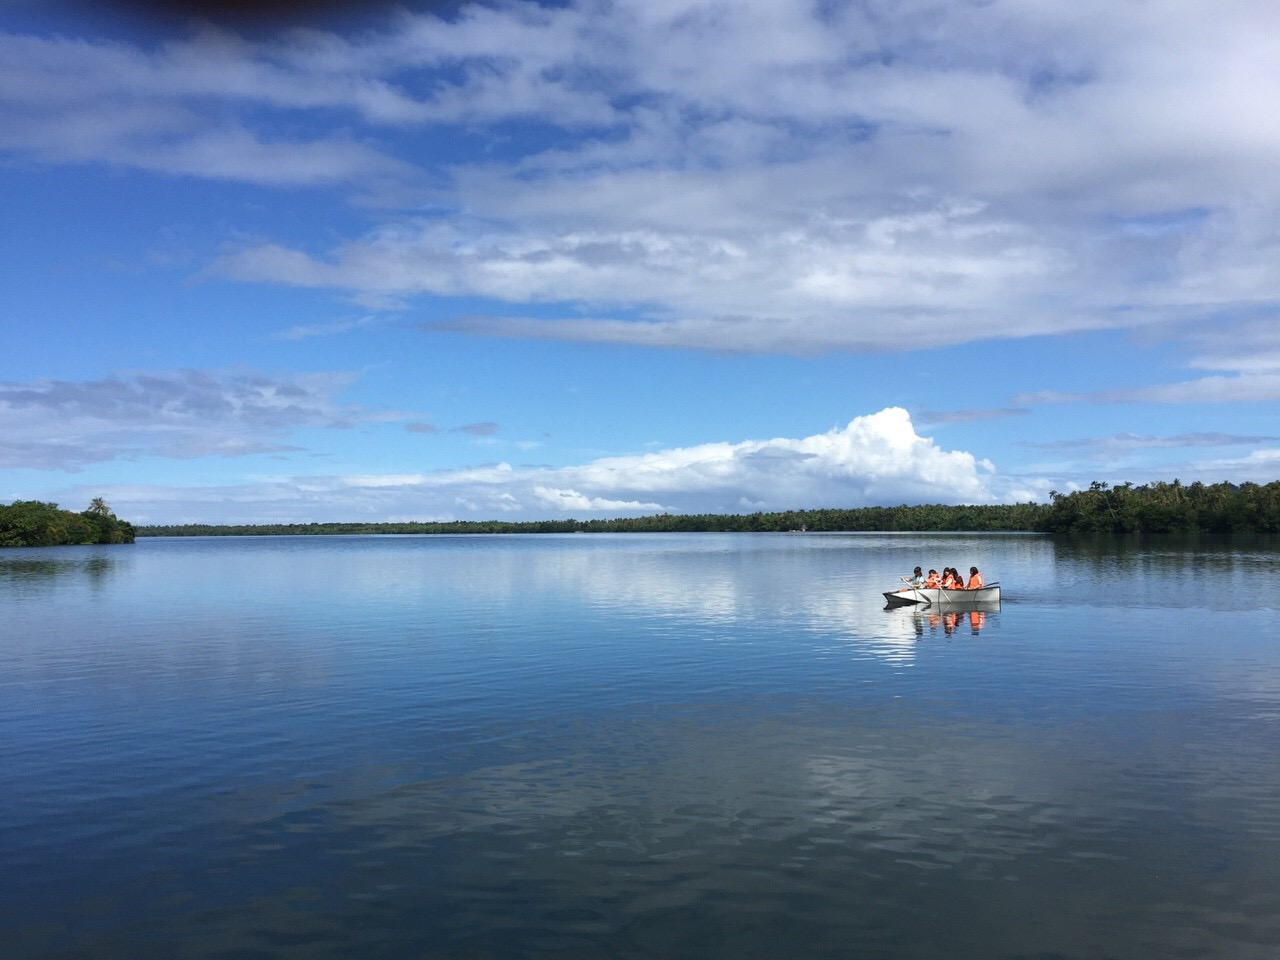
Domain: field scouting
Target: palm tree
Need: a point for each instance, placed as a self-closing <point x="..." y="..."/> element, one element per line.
<point x="98" y="507"/>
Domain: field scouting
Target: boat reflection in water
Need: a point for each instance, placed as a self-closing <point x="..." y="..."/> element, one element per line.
<point x="952" y="620"/>
<point x="948" y="619"/>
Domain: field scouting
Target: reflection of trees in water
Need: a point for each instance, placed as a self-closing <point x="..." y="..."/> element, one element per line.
<point x="1188" y="563"/>
<point x="1216" y="571"/>
<point x="1172" y="554"/>
<point x="17" y="569"/>
<point x="30" y="569"/>
<point x="98" y="568"/>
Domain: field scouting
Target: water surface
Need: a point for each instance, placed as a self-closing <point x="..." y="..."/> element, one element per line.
<point x="637" y="745"/>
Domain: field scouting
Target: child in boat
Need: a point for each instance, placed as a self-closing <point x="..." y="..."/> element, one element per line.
<point x="951" y="580"/>
<point x="914" y="581"/>
<point x="932" y="580"/>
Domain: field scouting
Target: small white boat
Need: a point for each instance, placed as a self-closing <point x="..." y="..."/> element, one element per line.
<point x="989" y="594"/>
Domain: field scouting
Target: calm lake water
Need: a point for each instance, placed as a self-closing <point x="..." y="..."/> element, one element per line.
<point x="596" y="746"/>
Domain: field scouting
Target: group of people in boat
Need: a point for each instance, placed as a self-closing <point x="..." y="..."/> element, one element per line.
<point x="949" y="579"/>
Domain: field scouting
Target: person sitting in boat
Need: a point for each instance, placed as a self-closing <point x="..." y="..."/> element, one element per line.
<point x="913" y="582"/>
<point x="932" y="580"/>
<point x="975" y="580"/>
<point x="951" y="580"/>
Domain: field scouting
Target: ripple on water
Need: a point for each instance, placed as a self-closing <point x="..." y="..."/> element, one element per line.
<point x="682" y="747"/>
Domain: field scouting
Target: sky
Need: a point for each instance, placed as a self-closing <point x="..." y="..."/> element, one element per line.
<point x="587" y="259"/>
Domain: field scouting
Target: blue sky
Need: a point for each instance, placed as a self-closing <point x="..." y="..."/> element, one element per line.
<point x="615" y="258"/>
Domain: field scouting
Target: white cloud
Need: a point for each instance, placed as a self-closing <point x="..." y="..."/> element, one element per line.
<point x="929" y="417"/>
<point x="1241" y="388"/>
<point x="332" y="328"/>
<point x="784" y="183"/>
<point x="1122" y="442"/>
<point x="1257" y="466"/>
<point x="750" y="175"/>
<point x="814" y="284"/>
<point x="874" y="459"/>
<point x="1248" y="345"/>
<point x="560" y="502"/>
<point x="79" y="101"/>
<point x="59" y="424"/>
<point x="1244" y="387"/>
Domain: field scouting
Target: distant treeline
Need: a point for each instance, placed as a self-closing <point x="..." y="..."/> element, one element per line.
<point x="1156" y="508"/>
<point x="32" y="523"/>
<point x="864" y="518"/>
<point x="1150" y="508"/>
<point x="1166" y="508"/>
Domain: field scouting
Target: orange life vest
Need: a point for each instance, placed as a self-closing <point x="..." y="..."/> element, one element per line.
<point x="976" y="582"/>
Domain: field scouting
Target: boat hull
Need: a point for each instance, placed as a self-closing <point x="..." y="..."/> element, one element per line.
<point x="936" y="595"/>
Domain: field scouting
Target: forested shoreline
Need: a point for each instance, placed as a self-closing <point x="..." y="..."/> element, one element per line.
<point x="34" y="523"/>
<point x="1126" y="508"/>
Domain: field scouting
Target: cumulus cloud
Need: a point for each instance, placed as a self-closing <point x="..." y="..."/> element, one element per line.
<point x="561" y="502"/>
<point x="874" y="459"/>
<point x="59" y="424"/>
